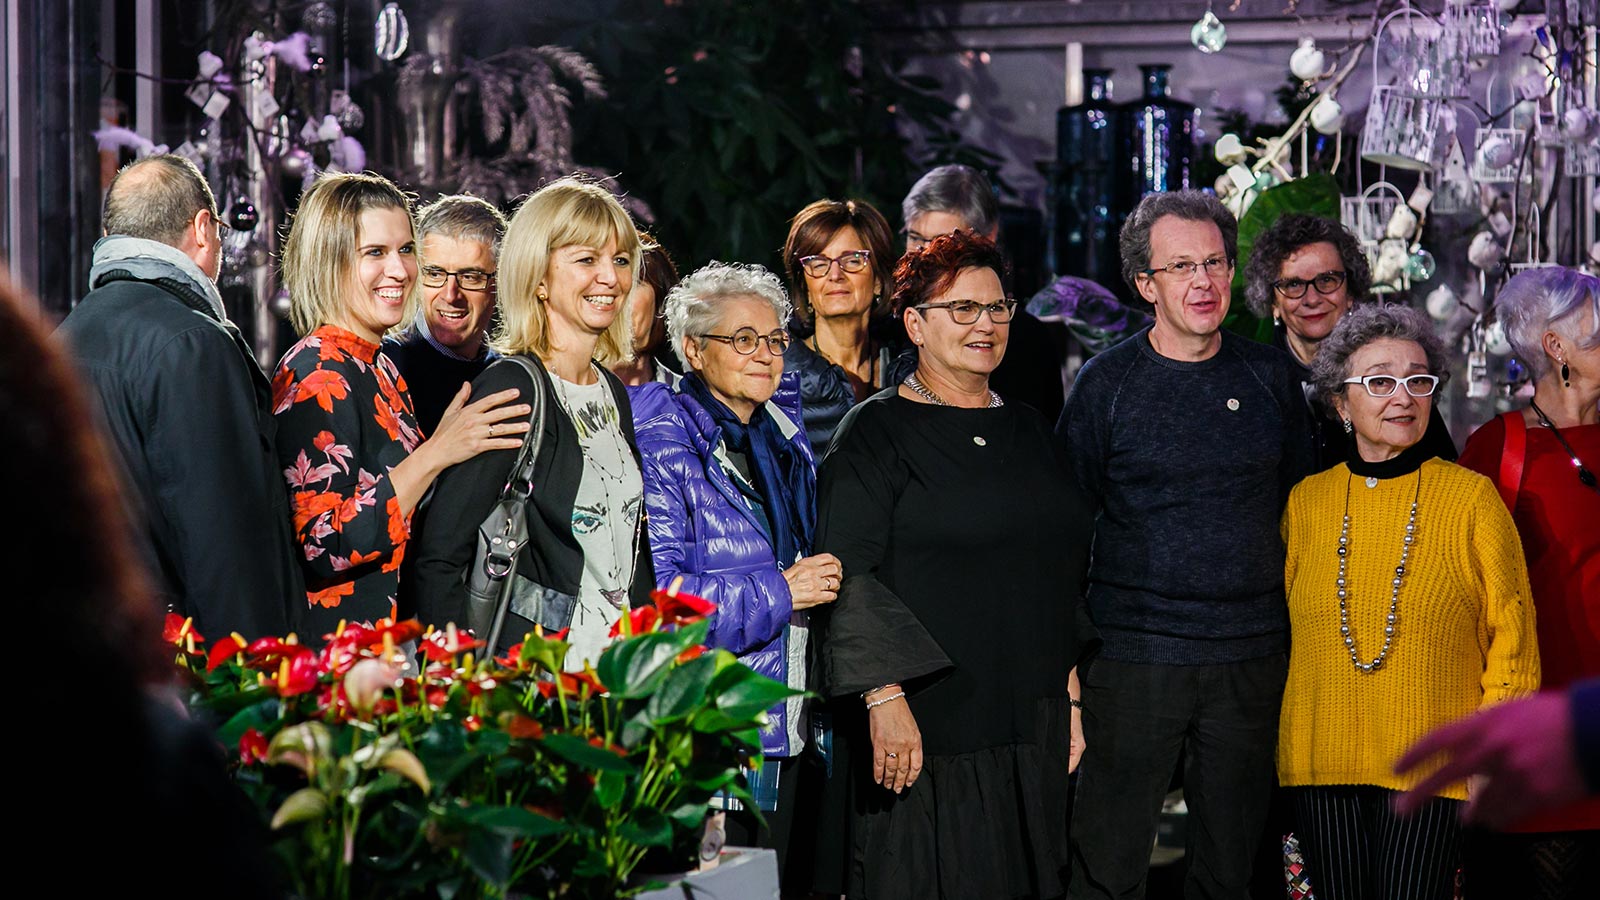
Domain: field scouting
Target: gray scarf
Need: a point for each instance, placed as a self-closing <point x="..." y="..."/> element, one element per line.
<point x="149" y="261"/>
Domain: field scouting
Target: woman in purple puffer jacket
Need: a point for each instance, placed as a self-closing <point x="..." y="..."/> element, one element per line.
<point x="730" y="488"/>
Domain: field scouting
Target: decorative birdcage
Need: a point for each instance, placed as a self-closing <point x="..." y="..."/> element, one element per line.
<point x="1498" y="151"/>
<point x="1535" y="245"/>
<point x="1427" y="63"/>
<point x="1402" y="130"/>
<point x="1473" y="27"/>
<point x="1367" y="216"/>
<point x="1455" y="191"/>
<point x="1581" y="161"/>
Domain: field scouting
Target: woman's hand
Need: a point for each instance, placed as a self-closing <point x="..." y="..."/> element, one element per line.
<point x="814" y="580"/>
<point x="489" y="423"/>
<point x="896" y="741"/>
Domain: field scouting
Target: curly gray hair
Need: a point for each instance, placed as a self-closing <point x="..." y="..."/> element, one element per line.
<point x="692" y="306"/>
<point x="1360" y="327"/>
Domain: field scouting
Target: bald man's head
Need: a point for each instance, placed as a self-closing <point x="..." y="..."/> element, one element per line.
<point x="160" y="198"/>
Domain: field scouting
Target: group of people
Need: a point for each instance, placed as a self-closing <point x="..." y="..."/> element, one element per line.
<point x="1257" y="564"/>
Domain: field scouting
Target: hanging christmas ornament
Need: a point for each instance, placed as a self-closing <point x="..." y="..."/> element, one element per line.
<point x="391" y="33"/>
<point x="1442" y="303"/>
<point x="278" y="137"/>
<point x="1327" y="117"/>
<point x="1306" y="61"/>
<point x="1495" y="339"/>
<point x="1229" y="149"/>
<point x="348" y="113"/>
<point x="1209" y="35"/>
<point x="1420" y="265"/>
<point x="242" y="216"/>
<point x="295" y="163"/>
<point x="1485" y="251"/>
<point x="319" y="16"/>
<point x="280" y="303"/>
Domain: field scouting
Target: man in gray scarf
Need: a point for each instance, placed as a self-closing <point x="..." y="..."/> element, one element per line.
<point x="185" y="407"/>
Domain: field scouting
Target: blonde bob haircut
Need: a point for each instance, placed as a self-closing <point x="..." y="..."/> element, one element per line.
<point x="564" y="212"/>
<point x="320" y="254"/>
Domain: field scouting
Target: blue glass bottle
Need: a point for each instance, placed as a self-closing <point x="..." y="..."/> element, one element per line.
<point x="1161" y="132"/>
<point x="1088" y="162"/>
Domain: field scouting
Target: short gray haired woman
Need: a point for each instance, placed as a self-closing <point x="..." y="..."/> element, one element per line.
<point x="1544" y="459"/>
<point x="729" y="489"/>
<point x="1409" y="608"/>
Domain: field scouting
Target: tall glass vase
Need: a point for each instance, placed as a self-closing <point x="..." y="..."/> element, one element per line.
<point x="1087" y="157"/>
<point x="1158" y="134"/>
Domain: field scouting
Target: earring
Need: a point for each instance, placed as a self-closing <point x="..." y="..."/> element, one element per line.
<point x="1566" y="375"/>
<point x="542" y="295"/>
<point x="1276" y="322"/>
<point x="1348" y="428"/>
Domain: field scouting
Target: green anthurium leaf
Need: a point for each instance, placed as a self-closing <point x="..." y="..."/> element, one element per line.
<point x="488" y="852"/>
<point x="260" y="715"/>
<point x="635" y="729"/>
<point x="547" y="652"/>
<point x="591" y="865"/>
<point x="715" y="721"/>
<point x="513" y="820"/>
<point x="577" y="750"/>
<point x="688" y="815"/>
<point x="304" y="805"/>
<point x="647" y="827"/>
<point x="683" y="692"/>
<point x="741" y="693"/>
<point x="609" y="788"/>
<point x="1316" y="194"/>
<point x="634" y="667"/>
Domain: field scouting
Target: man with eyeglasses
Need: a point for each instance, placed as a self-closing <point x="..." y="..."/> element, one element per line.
<point x="1306" y="273"/>
<point x="185" y="406"/>
<point x="955" y="197"/>
<point x="1187" y="441"/>
<point x="458" y="237"/>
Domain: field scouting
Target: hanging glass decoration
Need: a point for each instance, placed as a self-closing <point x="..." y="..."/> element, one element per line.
<point x="1402" y="130"/>
<point x="243" y="216"/>
<point x="391" y="33"/>
<point x="1456" y="192"/>
<point x="1209" y="35"/>
<point x="1498" y="152"/>
<point x="1420" y="265"/>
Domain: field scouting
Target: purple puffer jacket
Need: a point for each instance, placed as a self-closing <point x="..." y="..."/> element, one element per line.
<point x="701" y="528"/>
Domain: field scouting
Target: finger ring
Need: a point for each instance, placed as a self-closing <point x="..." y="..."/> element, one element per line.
<point x="892" y="755"/>
<point x="491" y="430"/>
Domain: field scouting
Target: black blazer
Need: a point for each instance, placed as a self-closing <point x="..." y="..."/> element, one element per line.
<point x="445" y="533"/>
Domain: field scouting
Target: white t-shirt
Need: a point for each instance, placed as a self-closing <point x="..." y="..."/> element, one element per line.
<point x="605" y="515"/>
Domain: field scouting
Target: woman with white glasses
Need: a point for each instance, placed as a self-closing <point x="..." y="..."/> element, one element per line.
<point x="1409" y="608"/>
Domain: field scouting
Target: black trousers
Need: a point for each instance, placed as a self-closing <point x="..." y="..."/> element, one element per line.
<point x="1137" y="720"/>
<point x="744" y="830"/>
<point x="1552" y="865"/>
<point x="1356" y="848"/>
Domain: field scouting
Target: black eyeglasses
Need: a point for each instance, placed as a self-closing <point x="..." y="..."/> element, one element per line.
<point x="1386" y="385"/>
<point x="1216" y="267"/>
<point x="468" y="279"/>
<point x="745" y="341"/>
<point x="966" y="312"/>
<point x="1295" y="288"/>
<point x="817" y="265"/>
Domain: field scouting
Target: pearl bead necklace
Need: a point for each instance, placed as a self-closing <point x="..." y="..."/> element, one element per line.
<point x="1394" y="585"/>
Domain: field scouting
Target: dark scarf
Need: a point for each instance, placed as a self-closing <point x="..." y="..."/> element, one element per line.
<point x="1404" y="463"/>
<point x="783" y="477"/>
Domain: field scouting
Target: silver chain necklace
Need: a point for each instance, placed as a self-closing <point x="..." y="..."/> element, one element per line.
<point x="921" y="390"/>
<point x="1394" y="585"/>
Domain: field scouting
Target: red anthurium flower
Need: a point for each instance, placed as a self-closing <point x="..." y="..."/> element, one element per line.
<point x="177" y="630"/>
<point x="639" y="621"/>
<point x="572" y="683"/>
<point x="472" y="723"/>
<point x="224" y="650"/>
<point x="513" y="657"/>
<point x="441" y="646"/>
<point x="601" y="743"/>
<point x="436" y="697"/>
<point x="252" y="747"/>
<point x="268" y="652"/>
<point x="297" y="674"/>
<point x="691" y="653"/>
<point x="522" y="727"/>
<point x="399" y="632"/>
<point x="677" y="607"/>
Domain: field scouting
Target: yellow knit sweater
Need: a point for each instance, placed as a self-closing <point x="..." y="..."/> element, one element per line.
<point x="1464" y="633"/>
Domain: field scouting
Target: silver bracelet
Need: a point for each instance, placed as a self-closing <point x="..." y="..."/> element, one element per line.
<point x="882" y="700"/>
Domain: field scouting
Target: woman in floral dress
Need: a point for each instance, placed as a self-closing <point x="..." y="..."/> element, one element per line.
<point x="355" y="462"/>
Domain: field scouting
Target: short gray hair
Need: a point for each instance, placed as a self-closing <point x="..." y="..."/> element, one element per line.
<point x="1193" y="206"/>
<point x="692" y="306"/>
<point x="1553" y="298"/>
<point x="156" y="198"/>
<point x="1360" y="327"/>
<point x="463" y="217"/>
<point x="959" y="190"/>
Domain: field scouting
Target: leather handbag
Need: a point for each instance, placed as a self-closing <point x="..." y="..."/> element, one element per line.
<point x="494" y="587"/>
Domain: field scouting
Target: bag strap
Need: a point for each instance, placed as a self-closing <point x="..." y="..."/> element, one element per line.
<point x="519" y="483"/>
<point x="1513" y="455"/>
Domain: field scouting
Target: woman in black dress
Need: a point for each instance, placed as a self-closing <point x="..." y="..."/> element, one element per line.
<point x="959" y="626"/>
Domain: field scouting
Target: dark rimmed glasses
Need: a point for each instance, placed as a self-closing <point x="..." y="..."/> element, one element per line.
<point x="467" y="279"/>
<point x="745" y="341"/>
<point x="1295" y="288"/>
<point x="966" y="312"/>
<point x="1215" y="266"/>
<point x="1386" y="385"/>
<point x="817" y="265"/>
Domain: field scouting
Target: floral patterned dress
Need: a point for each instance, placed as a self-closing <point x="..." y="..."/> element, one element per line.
<point x="344" y="422"/>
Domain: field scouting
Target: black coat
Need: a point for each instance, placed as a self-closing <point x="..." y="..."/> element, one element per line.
<point x="188" y="414"/>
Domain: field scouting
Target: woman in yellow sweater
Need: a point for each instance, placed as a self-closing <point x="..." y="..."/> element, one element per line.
<point x="1409" y="607"/>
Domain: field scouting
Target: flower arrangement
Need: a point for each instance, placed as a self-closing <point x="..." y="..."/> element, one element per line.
<point x="469" y="775"/>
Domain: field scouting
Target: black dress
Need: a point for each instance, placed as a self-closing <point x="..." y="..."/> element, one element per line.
<point x="964" y="541"/>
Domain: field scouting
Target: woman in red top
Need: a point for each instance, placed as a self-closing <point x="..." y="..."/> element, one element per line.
<point x="1544" y="459"/>
<point x="352" y="454"/>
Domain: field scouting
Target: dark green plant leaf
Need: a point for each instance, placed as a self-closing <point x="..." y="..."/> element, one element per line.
<point x="740" y="693"/>
<point x="263" y="717"/>
<point x="609" y="788"/>
<point x="577" y="750"/>
<point x="488" y="852"/>
<point x="647" y="828"/>
<point x="683" y="692"/>
<point x="636" y="666"/>
<point x="512" y="820"/>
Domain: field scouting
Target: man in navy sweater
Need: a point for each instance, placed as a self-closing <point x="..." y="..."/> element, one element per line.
<point x="1187" y="441"/>
<point x="459" y="240"/>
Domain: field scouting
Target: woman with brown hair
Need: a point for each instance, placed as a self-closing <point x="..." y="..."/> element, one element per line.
<point x="652" y="360"/>
<point x="840" y="260"/>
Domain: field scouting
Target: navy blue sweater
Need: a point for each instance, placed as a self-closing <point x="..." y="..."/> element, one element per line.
<point x="1188" y="465"/>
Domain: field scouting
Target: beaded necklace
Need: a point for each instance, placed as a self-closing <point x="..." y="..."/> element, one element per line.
<point x="1394" y="586"/>
<point x="921" y="390"/>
